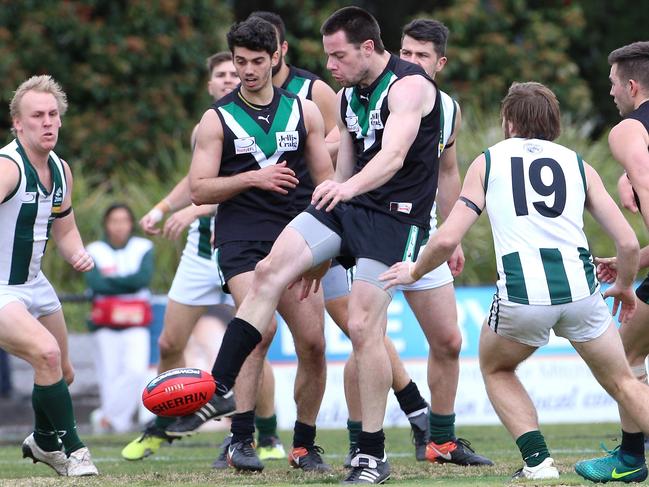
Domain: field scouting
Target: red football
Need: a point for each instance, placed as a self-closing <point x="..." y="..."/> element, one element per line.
<point x="178" y="392"/>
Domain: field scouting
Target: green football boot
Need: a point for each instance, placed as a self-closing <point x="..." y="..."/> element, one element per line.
<point x="616" y="466"/>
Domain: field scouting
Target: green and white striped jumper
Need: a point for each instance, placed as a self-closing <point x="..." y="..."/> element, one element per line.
<point x="26" y="216"/>
<point x="199" y="238"/>
<point x="535" y="195"/>
<point x="448" y="116"/>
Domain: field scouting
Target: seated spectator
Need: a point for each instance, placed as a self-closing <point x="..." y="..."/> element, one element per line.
<point x="121" y="314"/>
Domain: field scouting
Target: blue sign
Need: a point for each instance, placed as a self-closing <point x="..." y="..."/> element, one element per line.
<point x="473" y="304"/>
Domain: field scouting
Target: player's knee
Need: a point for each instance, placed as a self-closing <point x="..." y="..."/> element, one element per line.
<point x="311" y="349"/>
<point x="47" y="356"/>
<point x="490" y="367"/>
<point x="447" y="345"/>
<point x="169" y="348"/>
<point x="361" y="333"/>
<point x="265" y="273"/>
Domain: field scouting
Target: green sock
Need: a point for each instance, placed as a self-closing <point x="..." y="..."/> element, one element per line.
<point x="163" y="421"/>
<point x="44" y="433"/>
<point x="533" y="448"/>
<point x="266" y="427"/>
<point x="56" y="403"/>
<point x="442" y="427"/>
<point x="354" y="429"/>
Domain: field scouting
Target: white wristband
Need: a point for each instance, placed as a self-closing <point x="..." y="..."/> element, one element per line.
<point x="156" y="215"/>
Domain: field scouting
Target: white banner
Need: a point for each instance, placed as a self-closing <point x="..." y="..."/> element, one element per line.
<point x="558" y="381"/>
<point x="562" y="388"/>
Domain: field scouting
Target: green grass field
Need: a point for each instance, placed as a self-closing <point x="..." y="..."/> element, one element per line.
<point x="187" y="462"/>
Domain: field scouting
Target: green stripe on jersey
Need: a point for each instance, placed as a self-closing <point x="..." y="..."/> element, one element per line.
<point x="57" y="189"/>
<point x="580" y="161"/>
<point x="265" y="140"/>
<point x="487" y="157"/>
<point x="514" y="278"/>
<point x="556" y="277"/>
<point x="589" y="268"/>
<point x="204" y="237"/>
<point x="24" y="234"/>
<point x="297" y="84"/>
<point x="409" y="254"/>
<point x="49" y="229"/>
<point x="362" y="111"/>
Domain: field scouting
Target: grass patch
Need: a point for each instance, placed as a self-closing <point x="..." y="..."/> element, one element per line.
<point x="187" y="462"/>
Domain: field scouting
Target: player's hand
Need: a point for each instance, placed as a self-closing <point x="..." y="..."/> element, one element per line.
<point x="456" y="261"/>
<point x="149" y="221"/>
<point x="606" y="269"/>
<point x="398" y="274"/>
<point x="177" y="222"/>
<point x="81" y="261"/>
<point x="624" y="300"/>
<point x="310" y="280"/>
<point x="329" y="193"/>
<point x="625" y="190"/>
<point x="276" y="178"/>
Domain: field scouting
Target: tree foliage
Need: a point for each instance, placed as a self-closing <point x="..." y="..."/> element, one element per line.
<point x="495" y="43"/>
<point x="133" y="70"/>
<point x="609" y="25"/>
<point x="134" y="74"/>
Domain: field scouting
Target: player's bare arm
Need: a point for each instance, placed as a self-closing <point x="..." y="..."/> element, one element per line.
<point x="325" y="98"/>
<point x="66" y="234"/>
<point x="345" y="158"/>
<point x="344" y="161"/>
<point x="177" y="199"/>
<point x="410" y="99"/>
<point x="607" y="266"/>
<point x="181" y="219"/>
<point x="445" y="240"/>
<point x="600" y="204"/>
<point x="315" y="150"/>
<point x="208" y="187"/>
<point x="644" y="258"/>
<point x="10" y="177"/>
<point x="449" y="183"/>
<point x="449" y="186"/>
<point x="628" y="141"/>
<point x="179" y="196"/>
<point x="625" y="191"/>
